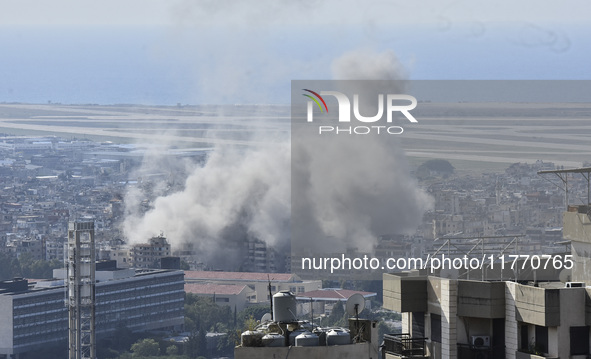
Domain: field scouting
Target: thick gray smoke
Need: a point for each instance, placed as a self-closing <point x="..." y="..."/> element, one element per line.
<point x="240" y="193"/>
<point x="348" y="190"/>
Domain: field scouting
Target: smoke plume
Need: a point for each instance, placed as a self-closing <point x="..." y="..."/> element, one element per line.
<point x="345" y="192"/>
<point x="348" y="190"/>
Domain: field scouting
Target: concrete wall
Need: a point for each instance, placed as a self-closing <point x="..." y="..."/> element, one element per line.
<point x="577" y="228"/>
<point x="481" y="299"/>
<point x="581" y="256"/>
<point x="449" y="300"/>
<point x="434" y="295"/>
<point x="405" y="294"/>
<point x="537" y="305"/>
<point x="572" y="302"/>
<point x="511" y="330"/>
<point x="233" y="300"/>
<point x="352" y="351"/>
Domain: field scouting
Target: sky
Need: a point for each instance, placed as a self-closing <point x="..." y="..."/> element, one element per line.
<point x="164" y="52"/>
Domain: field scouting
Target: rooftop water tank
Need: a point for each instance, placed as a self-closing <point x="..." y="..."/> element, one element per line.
<point x="294" y="334"/>
<point x="251" y="339"/>
<point x="284" y="307"/>
<point x="338" y="337"/>
<point x="307" y="339"/>
<point x="274" y="340"/>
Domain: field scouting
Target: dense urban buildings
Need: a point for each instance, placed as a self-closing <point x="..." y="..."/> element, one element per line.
<point x="35" y="315"/>
<point x="47" y="181"/>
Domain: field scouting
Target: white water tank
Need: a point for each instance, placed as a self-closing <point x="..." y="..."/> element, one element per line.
<point x="294" y="334"/>
<point x="284" y="307"/>
<point x="274" y="340"/>
<point x="307" y="339"/>
<point x="338" y="337"/>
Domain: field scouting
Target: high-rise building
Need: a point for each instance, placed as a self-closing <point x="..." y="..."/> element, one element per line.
<point x="521" y="318"/>
<point x="33" y="315"/>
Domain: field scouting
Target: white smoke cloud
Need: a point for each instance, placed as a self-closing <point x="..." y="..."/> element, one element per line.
<point x="351" y="189"/>
<point x="240" y="192"/>
<point x="346" y="191"/>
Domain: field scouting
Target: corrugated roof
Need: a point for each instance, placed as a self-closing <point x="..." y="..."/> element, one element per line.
<point x="239" y="276"/>
<point x="221" y="289"/>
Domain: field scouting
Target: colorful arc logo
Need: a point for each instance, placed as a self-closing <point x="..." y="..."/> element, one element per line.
<point x="315" y="100"/>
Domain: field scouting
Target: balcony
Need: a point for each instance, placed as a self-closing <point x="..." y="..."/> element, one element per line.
<point x="537" y="306"/>
<point x="402" y="346"/>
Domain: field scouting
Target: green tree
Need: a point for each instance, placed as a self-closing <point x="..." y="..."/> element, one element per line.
<point x="256" y="312"/>
<point x="203" y="312"/>
<point x="201" y="342"/>
<point x="145" y="347"/>
<point x="337" y="314"/>
<point x="196" y="345"/>
<point x="226" y="344"/>
<point x="172" y="350"/>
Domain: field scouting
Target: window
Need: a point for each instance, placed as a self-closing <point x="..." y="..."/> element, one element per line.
<point x="436" y="328"/>
<point x="579" y="340"/>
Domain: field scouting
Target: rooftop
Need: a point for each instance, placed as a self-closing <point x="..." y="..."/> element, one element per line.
<point x="241" y="276"/>
<point x="222" y="289"/>
<point x="331" y="294"/>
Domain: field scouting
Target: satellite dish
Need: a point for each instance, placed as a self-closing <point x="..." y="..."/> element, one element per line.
<point x="449" y="273"/>
<point x="564" y="275"/>
<point x="266" y="317"/>
<point x="355" y="304"/>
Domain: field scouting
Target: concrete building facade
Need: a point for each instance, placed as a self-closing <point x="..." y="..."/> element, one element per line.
<point x="460" y="318"/>
<point x="35" y="315"/>
<point x="455" y="318"/>
<point x="148" y="255"/>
